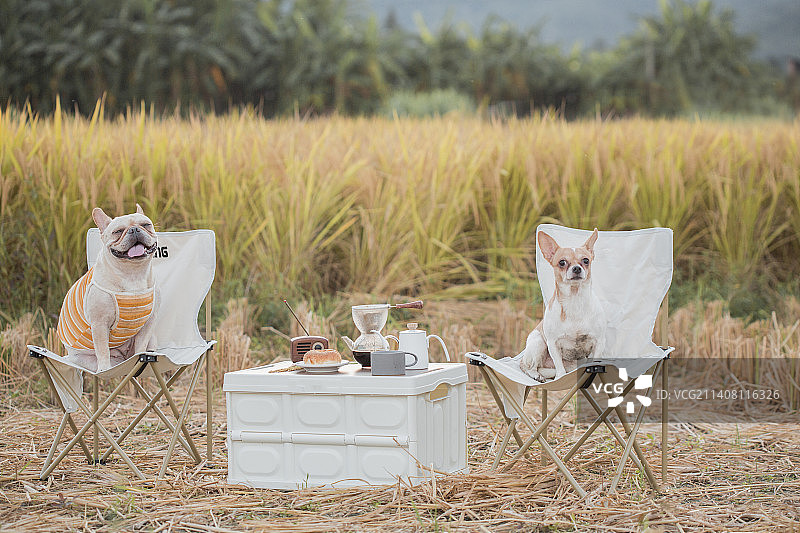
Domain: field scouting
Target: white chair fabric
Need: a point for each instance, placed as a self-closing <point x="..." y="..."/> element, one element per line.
<point x="631" y="274"/>
<point x="183" y="267"/>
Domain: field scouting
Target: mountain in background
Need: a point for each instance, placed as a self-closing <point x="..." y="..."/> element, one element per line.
<point x="597" y="23"/>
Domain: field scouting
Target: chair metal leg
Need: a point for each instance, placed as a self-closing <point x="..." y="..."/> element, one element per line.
<point x="93" y="421"/>
<point x="209" y="408"/>
<point x="636" y="448"/>
<point x="81" y="442"/>
<point x="543" y="459"/>
<point x="181" y="419"/>
<point x="599" y="420"/>
<point x="537" y="432"/>
<point x="151" y="401"/>
<point x="638" y="458"/>
<point x="664" y="421"/>
<point x="546" y="422"/>
<point x="56" y="439"/>
<point x="160" y="414"/>
<point x="627" y="451"/>
<point x="632" y="436"/>
<point x="493" y="390"/>
<point x="176" y="412"/>
<point x="623" y="418"/>
<point x="499" y="453"/>
<point x="517" y="436"/>
<point x="643" y="465"/>
<point x="95" y="400"/>
<point x="664" y="326"/>
<point x="209" y="389"/>
<point x="561" y="466"/>
<point x="499" y="402"/>
<point x="629" y="442"/>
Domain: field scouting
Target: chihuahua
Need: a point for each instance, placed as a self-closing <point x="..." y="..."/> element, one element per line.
<point x="574" y="323"/>
<point x="111" y="309"/>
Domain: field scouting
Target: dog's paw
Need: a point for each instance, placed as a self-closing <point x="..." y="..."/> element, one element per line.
<point x="532" y="372"/>
<point x="548" y="373"/>
<point x="537" y="376"/>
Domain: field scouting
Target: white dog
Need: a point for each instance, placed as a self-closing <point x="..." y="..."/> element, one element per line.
<point x="110" y="310"/>
<point x="574" y="323"/>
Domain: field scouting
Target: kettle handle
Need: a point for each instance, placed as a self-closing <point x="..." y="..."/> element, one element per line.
<point x="395" y="339"/>
<point x="438" y="338"/>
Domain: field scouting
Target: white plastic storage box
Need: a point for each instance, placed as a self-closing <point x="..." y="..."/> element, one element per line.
<point x="293" y="429"/>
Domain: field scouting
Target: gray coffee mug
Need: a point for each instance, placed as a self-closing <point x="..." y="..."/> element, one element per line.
<point x="391" y="362"/>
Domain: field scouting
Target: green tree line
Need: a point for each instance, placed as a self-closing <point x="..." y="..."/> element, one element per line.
<point x="319" y="56"/>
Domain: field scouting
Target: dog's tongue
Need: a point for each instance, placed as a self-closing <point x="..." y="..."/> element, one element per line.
<point x="136" y="251"/>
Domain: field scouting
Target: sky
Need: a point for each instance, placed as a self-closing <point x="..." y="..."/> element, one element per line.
<point x="775" y="23"/>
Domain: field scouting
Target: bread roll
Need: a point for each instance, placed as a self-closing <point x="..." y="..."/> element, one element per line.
<point x="322" y="357"/>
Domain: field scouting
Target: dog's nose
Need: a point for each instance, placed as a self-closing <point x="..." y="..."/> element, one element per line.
<point x="576" y="269"/>
<point x="134" y="229"/>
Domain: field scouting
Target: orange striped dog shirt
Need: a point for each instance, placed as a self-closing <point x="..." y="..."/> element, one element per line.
<point x="133" y="310"/>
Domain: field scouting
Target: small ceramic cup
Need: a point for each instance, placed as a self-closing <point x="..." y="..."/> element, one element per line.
<point x="391" y="362"/>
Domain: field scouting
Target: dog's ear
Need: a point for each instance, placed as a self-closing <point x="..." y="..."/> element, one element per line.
<point x="547" y="245"/>
<point x="101" y="219"/>
<point x="589" y="244"/>
<point x="139" y="209"/>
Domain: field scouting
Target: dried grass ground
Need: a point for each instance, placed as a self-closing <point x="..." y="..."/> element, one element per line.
<point x="722" y="478"/>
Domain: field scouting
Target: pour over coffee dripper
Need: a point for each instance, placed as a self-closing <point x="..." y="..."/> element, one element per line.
<point x="370" y="320"/>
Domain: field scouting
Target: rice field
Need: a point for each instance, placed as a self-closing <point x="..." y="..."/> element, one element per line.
<point x="335" y="211"/>
<point x="437" y="208"/>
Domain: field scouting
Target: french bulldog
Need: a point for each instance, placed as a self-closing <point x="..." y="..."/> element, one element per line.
<point x="111" y="310"/>
<point x="574" y="323"/>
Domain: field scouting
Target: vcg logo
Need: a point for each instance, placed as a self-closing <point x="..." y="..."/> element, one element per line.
<point x="643" y="382"/>
<point x="161" y="251"/>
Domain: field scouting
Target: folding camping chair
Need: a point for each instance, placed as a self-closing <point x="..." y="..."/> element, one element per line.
<point x="631" y="275"/>
<point x="183" y="267"/>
